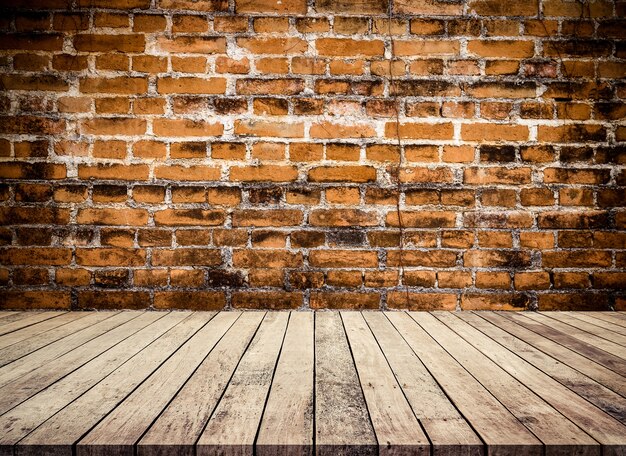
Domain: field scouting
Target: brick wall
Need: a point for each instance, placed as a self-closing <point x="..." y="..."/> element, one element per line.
<point x="211" y="154"/>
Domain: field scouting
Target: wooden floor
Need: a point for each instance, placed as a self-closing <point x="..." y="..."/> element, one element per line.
<point x="330" y="383"/>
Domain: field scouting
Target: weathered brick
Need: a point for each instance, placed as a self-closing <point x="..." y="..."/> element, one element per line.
<point x="421" y="301"/>
<point x="190" y="300"/>
<point x="426" y="258"/>
<point x="345" y="47"/>
<point x="186" y="128"/>
<point x="109" y="43"/>
<point x="267" y="128"/>
<point x="271" y="173"/>
<point x="342" y="217"/>
<point x="343" y="258"/>
<point x="344" y="300"/>
<point x="191" y="85"/>
<point x="266" y="259"/>
<point x="189" y="217"/>
<point x="109" y="216"/>
<point x="275" y="300"/>
<point x="186" y="257"/>
<point x="499" y="258"/>
<point x="40" y="299"/>
<point x="267" y="217"/>
<point x="109" y="299"/>
<point x="342" y="174"/>
<point x="193" y="44"/>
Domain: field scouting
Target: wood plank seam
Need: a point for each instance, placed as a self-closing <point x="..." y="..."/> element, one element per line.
<point x="577" y="361"/>
<point x="28" y="388"/>
<point x="229" y="379"/>
<point x="190" y="376"/>
<point x="430" y="443"/>
<point x="472" y="383"/>
<point x="358" y="377"/>
<point x="256" y="436"/>
<point x="520" y="400"/>
<point x="578" y="410"/>
<point x="608" y="360"/>
<point x="575" y="380"/>
<point x="443" y="390"/>
<point x="153" y="333"/>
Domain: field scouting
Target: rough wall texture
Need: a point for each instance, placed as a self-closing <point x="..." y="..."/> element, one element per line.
<point x="213" y="154"/>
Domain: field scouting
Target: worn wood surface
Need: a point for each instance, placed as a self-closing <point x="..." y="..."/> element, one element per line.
<point x="299" y="383"/>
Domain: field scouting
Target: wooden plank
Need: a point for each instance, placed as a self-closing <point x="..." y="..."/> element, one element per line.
<point x="559" y="435"/>
<point x="397" y="430"/>
<point x="56" y="436"/>
<point x="20" y="335"/>
<point x="177" y="429"/>
<point x="118" y="432"/>
<point x="447" y="431"/>
<point x="232" y="428"/>
<point x="7" y="316"/>
<point x="573" y="331"/>
<point x="617" y="318"/>
<point x="16" y="351"/>
<point x="287" y="423"/>
<point x="603" y="428"/>
<point x="598" y="355"/>
<point x="24" y="387"/>
<point x="589" y="328"/>
<point x="31" y="413"/>
<point x="498" y="428"/>
<point x="29" y="319"/>
<point x="339" y="401"/>
<point x="607" y="400"/>
<point x="52" y="352"/>
<point x="586" y="366"/>
<point x="599" y="322"/>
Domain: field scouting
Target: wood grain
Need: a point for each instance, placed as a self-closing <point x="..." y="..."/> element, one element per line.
<point x="339" y="402"/>
<point x="119" y="431"/>
<point x="502" y="432"/>
<point x="287" y="424"/>
<point x="321" y="383"/>
<point x="177" y="429"/>
<point x="232" y="428"/>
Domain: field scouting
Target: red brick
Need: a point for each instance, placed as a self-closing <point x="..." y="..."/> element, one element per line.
<point x="105" y="299"/>
<point x="345" y="47"/>
<point x="342" y="174"/>
<point x="110" y="257"/>
<point x="267" y="217"/>
<point x="30" y="42"/>
<point x="274" y="300"/>
<point x="186" y="257"/>
<point x="119" y="126"/>
<point x="186" y="128"/>
<point x="192" y="44"/>
<point x="421" y="301"/>
<point x="342" y="217"/>
<point x="110" y="216"/>
<point x="109" y="43"/>
<point x="264" y="258"/>
<point x="344" y="300"/>
<point x="52" y="256"/>
<point x="40" y="299"/>
<point x="343" y="259"/>
<point x="189" y="217"/>
<point x="191" y="85"/>
<point x="271" y="129"/>
<point x="426" y="258"/>
<point x="190" y="300"/>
